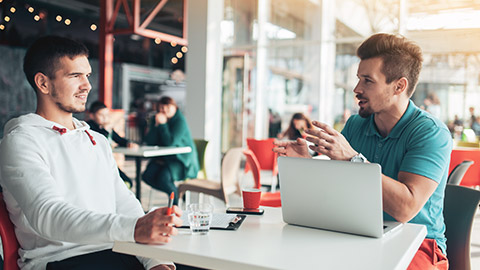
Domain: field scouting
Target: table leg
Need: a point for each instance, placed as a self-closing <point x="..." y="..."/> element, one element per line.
<point x="138" y="181"/>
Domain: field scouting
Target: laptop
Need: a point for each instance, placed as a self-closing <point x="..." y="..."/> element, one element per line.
<point x="333" y="195"/>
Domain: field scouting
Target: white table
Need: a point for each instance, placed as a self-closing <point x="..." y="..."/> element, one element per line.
<point x="148" y="152"/>
<point x="266" y="242"/>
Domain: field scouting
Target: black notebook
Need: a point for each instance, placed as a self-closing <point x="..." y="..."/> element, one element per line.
<point x="220" y="221"/>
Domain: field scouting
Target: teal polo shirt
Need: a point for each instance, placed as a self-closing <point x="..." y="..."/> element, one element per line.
<point x="419" y="144"/>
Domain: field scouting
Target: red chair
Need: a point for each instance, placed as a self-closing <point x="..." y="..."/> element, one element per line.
<point x="267" y="159"/>
<point x="472" y="176"/>
<point x="9" y="240"/>
<point x="272" y="199"/>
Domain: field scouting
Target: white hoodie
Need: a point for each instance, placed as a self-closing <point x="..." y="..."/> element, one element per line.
<point x="63" y="191"/>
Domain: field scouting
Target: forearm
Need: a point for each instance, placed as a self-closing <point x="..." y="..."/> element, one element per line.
<point x="403" y="199"/>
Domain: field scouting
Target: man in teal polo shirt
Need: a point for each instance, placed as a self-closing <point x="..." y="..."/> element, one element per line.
<point x="412" y="146"/>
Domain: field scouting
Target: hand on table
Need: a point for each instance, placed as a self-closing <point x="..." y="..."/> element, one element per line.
<point x="156" y="227"/>
<point x="296" y="148"/>
<point x="329" y="142"/>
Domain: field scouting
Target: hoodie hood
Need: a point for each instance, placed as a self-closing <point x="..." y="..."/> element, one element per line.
<point x="35" y="120"/>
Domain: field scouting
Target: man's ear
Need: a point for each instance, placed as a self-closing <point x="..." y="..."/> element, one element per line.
<point x="401" y="85"/>
<point x="42" y="82"/>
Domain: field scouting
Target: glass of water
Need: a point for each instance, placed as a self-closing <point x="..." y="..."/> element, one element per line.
<point x="200" y="217"/>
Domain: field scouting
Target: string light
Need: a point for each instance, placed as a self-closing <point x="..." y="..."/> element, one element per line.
<point x="68" y="22"/>
<point x="12" y="10"/>
<point x="93" y="27"/>
<point x="158" y="41"/>
<point x="2" y="27"/>
<point x="58" y="18"/>
<point x="31" y="9"/>
<point x="7" y="19"/>
<point x="36" y="18"/>
<point x="173" y="43"/>
<point x="184" y="49"/>
<point x="179" y="54"/>
<point x="174" y="60"/>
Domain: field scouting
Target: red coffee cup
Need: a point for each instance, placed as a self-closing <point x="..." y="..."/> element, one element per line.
<point x="251" y="198"/>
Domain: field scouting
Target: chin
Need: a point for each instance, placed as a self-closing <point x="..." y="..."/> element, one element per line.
<point x="364" y="113"/>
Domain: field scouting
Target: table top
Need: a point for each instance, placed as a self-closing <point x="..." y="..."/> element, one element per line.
<point x="266" y="242"/>
<point x="152" y="151"/>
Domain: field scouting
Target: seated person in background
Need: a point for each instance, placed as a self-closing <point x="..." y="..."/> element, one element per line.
<point x="412" y="146"/>
<point x="169" y="128"/>
<point x="100" y="118"/>
<point x="339" y="125"/>
<point x="60" y="182"/>
<point x="298" y="124"/>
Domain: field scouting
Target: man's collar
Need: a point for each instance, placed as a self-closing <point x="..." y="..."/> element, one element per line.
<point x="398" y="128"/>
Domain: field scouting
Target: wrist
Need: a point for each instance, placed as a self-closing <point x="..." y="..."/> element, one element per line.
<point x="358" y="158"/>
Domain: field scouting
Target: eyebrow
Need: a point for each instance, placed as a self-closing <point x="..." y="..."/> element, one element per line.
<point x="365" y="76"/>
<point x="78" y="73"/>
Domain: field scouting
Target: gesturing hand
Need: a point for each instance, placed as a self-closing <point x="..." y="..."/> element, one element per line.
<point x="156" y="227"/>
<point x="296" y="148"/>
<point x="329" y="142"/>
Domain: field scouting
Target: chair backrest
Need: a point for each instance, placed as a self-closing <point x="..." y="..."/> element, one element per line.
<point x="230" y="167"/>
<point x="456" y="175"/>
<point x="252" y="162"/>
<point x="461" y="203"/>
<point x="201" y="146"/>
<point x="9" y="240"/>
<point x="267" y="159"/>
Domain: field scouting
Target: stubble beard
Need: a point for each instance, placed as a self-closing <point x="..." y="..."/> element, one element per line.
<point x="63" y="107"/>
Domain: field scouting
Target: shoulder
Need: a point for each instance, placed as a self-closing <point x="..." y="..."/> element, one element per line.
<point x="356" y="123"/>
<point x="424" y="124"/>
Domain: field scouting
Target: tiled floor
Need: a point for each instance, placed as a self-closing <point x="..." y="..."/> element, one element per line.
<point x="160" y="199"/>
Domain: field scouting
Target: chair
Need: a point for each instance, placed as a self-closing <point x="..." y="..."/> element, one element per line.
<point x="472" y="176"/>
<point x="456" y="175"/>
<point x="460" y="206"/>
<point x="267" y="159"/>
<point x="272" y="199"/>
<point x="9" y="240"/>
<point x="201" y="146"/>
<point x="228" y="180"/>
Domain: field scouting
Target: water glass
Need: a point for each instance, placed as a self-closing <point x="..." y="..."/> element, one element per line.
<point x="200" y="217"/>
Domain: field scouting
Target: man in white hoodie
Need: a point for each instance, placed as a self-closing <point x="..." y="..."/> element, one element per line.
<point x="60" y="182"/>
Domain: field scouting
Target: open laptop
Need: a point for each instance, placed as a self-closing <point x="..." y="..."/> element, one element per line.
<point x="333" y="195"/>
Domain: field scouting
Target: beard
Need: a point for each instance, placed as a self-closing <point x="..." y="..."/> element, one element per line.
<point x="64" y="107"/>
<point x="364" y="113"/>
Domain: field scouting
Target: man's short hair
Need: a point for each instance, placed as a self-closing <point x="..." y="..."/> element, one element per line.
<point x="44" y="55"/>
<point x="401" y="57"/>
<point x="96" y="106"/>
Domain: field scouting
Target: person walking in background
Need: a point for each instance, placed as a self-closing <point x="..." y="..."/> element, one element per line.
<point x="168" y="127"/>
<point x="296" y="129"/>
<point x="432" y="105"/>
<point x="99" y="121"/>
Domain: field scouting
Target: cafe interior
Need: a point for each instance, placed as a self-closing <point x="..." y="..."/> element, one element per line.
<point x="239" y="70"/>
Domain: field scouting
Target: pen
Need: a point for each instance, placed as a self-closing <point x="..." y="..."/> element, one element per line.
<point x="170" y="204"/>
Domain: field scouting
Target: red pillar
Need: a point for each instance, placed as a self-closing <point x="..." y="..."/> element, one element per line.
<point x="105" y="55"/>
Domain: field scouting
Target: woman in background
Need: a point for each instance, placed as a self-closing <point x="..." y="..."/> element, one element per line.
<point x="298" y="124"/>
<point x="168" y="127"/>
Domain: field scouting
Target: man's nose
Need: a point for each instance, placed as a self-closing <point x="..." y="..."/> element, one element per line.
<point x="86" y="84"/>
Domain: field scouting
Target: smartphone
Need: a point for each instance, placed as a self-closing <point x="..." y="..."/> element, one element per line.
<point x="241" y="210"/>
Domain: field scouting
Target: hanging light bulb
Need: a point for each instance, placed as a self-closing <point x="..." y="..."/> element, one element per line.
<point x="173" y="43"/>
<point x="31" y="9"/>
<point x="12" y="9"/>
<point x="67" y="21"/>
<point x="93" y="27"/>
<point x="158" y="41"/>
<point x="179" y="55"/>
<point x="58" y="18"/>
<point x="184" y="49"/>
<point x="174" y="60"/>
<point x="36" y="18"/>
<point x="6" y="18"/>
<point x="2" y="27"/>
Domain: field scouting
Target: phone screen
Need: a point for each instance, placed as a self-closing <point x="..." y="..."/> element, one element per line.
<point x="241" y="210"/>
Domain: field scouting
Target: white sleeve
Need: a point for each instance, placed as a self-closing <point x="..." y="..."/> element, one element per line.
<point x="26" y="175"/>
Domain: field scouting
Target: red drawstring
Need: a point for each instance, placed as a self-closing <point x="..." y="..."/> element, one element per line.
<point x="60" y="130"/>
<point x="64" y="130"/>
<point x="91" y="138"/>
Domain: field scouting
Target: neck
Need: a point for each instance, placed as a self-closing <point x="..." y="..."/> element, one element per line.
<point x="55" y="115"/>
<point x="385" y="121"/>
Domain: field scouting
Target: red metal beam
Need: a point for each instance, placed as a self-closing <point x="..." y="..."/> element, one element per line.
<point x="109" y="11"/>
